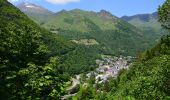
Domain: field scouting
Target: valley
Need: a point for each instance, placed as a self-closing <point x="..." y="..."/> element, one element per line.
<point x="79" y="54"/>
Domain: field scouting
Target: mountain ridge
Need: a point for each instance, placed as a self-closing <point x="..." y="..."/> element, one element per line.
<point x="148" y="23"/>
<point x="113" y="34"/>
<point x="33" y="11"/>
<point x="141" y="16"/>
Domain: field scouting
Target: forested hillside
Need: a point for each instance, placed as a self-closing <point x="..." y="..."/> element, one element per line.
<point x="39" y="64"/>
<point x="147" y="79"/>
<point x="34" y="63"/>
<point x="112" y="35"/>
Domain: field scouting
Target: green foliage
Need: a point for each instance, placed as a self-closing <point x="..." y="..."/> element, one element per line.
<point x="164" y="14"/>
<point x="86" y="93"/>
<point x="69" y="21"/>
<point x="81" y="60"/>
<point x="33" y="62"/>
<point x="27" y="71"/>
<point x="159" y="49"/>
<point x="148" y="79"/>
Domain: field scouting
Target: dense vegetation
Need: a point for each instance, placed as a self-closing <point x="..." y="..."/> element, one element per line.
<point x="147" y="79"/>
<point x="35" y="64"/>
<point x="114" y="36"/>
<point x="113" y="42"/>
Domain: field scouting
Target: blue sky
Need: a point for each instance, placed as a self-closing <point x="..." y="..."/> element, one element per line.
<point x="116" y="7"/>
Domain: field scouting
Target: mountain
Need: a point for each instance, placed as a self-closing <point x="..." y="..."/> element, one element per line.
<point x="105" y="14"/>
<point x="144" y="21"/>
<point x="75" y="20"/>
<point x="111" y="34"/>
<point x="35" y="12"/>
<point x="148" y="23"/>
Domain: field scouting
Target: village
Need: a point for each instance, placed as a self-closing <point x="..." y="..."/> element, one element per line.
<point x="109" y="67"/>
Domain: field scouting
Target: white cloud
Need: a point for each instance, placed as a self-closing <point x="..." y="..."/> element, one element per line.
<point x="62" y="1"/>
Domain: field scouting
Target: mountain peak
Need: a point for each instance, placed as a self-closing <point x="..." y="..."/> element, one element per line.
<point x="26" y="5"/>
<point x="105" y="13"/>
<point x="30" y="7"/>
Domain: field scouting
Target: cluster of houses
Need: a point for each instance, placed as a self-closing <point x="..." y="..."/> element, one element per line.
<point x="109" y="67"/>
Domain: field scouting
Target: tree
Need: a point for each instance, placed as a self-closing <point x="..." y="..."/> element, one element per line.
<point x="28" y="69"/>
<point x="164" y="14"/>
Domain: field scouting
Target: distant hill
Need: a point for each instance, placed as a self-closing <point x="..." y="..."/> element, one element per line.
<point x="144" y="20"/>
<point x="142" y="17"/>
<point x="113" y="35"/>
<point x="148" y="23"/>
<point x="77" y="20"/>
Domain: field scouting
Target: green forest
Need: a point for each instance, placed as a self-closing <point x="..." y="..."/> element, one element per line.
<point x="38" y="64"/>
<point x="147" y="79"/>
<point x="35" y="63"/>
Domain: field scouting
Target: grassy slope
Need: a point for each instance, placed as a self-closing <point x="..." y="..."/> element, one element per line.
<point x="114" y="35"/>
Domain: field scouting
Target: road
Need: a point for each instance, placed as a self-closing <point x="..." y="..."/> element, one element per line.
<point x="75" y="83"/>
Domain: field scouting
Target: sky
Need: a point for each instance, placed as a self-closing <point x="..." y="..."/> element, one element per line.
<point x="116" y="7"/>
